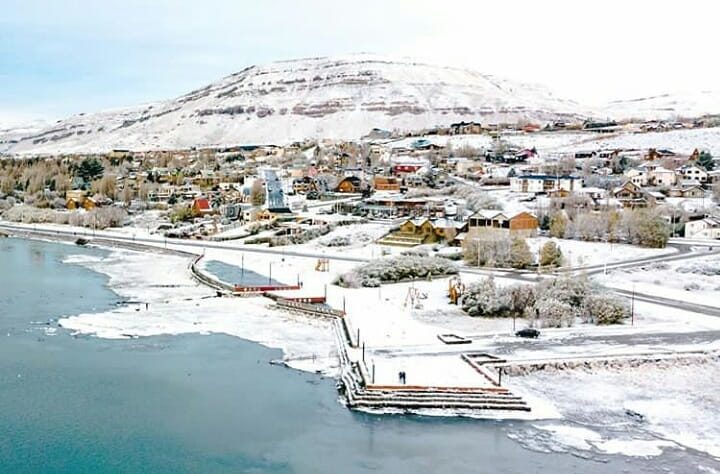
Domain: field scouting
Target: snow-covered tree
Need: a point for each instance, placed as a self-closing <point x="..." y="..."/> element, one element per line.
<point x="520" y="255"/>
<point x="645" y="227"/>
<point x="551" y="312"/>
<point x="550" y="255"/>
<point x="484" y="299"/>
<point x="490" y="252"/>
<point x="604" y="308"/>
<point x="558" y="224"/>
<point x="394" y="269"/>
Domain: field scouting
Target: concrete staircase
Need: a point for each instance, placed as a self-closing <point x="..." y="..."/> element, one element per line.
<point x="359" y="394"/>
<point x="415" y="398"/>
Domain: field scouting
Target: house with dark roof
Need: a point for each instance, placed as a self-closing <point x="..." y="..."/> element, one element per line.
<point x="502" y="224"/>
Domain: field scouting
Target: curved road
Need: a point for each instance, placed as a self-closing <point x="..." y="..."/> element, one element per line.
<point x="684" y="252"/>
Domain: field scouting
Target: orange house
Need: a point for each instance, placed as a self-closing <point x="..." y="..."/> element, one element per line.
<point x="386" y="183"/>
<point x="349" y="185"/>
<point x="201" y="206"/>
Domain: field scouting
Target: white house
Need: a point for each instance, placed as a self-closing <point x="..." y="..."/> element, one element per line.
<point x="637" y="176"/>
<point x="706" y="228"/>
<point x="542" y="183"/>
<point x="662" y="177"/>
<point x="691" y="174"/>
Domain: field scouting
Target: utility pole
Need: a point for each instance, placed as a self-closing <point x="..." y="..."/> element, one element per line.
<point x="632" y="308"/>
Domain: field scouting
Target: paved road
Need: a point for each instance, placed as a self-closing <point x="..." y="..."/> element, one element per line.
<point x="180" y="242"/>
<point x="677" y="304"/>
<point x="684" y="252"/>
<point x="657" y="342"/>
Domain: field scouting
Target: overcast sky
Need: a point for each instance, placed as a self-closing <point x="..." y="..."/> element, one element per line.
<point x="59" y="57"/>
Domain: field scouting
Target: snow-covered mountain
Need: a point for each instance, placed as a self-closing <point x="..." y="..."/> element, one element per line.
<point x="666" y="106"/>
<point x="11" y="133"/>
<point x="340" y="97"/>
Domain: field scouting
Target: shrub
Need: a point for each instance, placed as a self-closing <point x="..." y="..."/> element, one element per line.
<point x="520" y="256"/>
<point x="551" y="303"/>
<point x="346" y="240"/>
<point x="301" y="237"/>
<point x="603" y="308"/>
<point x="551" y="312"/>
<point x="181" y="213"/>
<point x="395" y="269"/>
<point x="558" y="225"/>
<point x="484" y="299"/>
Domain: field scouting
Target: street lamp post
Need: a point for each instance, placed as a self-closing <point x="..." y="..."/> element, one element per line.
<point x="270" y="274"/>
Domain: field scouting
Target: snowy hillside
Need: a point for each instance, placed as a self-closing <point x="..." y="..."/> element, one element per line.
<point x="666" y="106"/>
<point x="341" y="97"/>
<point x="11" y="134"/>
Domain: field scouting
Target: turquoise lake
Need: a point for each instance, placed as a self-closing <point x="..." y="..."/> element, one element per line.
<point x="205" y="404"/>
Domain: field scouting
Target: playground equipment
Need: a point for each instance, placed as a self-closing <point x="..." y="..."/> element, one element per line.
<point x="413" y="297"/>
<point x="322" y="265"/>
<point x="456" y="288"/>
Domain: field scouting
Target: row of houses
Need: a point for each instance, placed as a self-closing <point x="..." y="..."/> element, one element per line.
<point x="492" y="224"/>
<point x="652" y="174"/>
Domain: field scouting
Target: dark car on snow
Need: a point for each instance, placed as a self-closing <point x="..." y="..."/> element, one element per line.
<point x="528" y="332"/>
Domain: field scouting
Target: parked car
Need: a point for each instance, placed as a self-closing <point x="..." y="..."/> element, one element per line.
<point x="528" y="332"/>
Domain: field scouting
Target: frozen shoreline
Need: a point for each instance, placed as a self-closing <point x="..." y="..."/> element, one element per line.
<point x="174" y="299"/>
<point x="176" y="304"/>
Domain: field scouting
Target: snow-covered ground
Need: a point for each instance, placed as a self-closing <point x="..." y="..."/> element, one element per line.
<point x="578" y="253"/>
<point x="695" y="281"/>
<point x="177" y="305"/>
<point x="680" y="141"/>
<point x="634" y="411"/>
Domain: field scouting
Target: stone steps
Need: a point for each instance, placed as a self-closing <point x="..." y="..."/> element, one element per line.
<point x="429" y="398"/>
<point x="373" y="395"/>
<point x="417" y="405"/>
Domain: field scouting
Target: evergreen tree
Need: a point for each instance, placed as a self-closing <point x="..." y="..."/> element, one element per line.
<point x="90" y="169"/>
<point x="706" y="160"/>
<point x="550" y="255"/>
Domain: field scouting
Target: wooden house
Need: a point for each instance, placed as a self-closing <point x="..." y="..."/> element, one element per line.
<point x="386" y="183"/>
<point x="77" y="199"/>
<point x="630" y="195"/>
<point x="422" y="230"/>
<point x="521" y="224"/>
<point x="350" y="184"/>
<point x="693" y="191"/>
